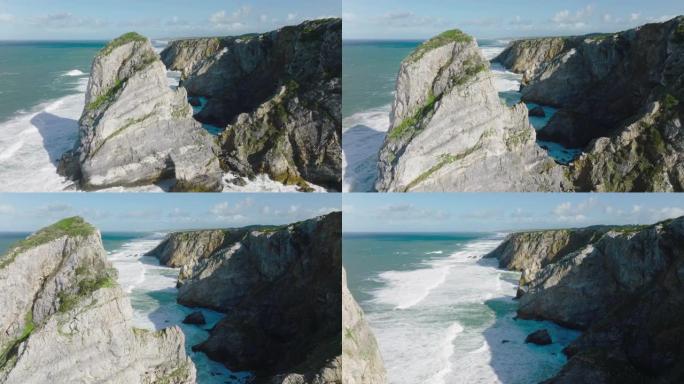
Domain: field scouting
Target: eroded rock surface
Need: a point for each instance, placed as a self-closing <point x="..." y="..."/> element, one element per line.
<point x="136" y="130"/>
<point x="277" y="94"/>
<point x="624" y="290"/>
<point x="619" y="98"/>
<point x="280" y="290"/>
<point x="65" y="320"/>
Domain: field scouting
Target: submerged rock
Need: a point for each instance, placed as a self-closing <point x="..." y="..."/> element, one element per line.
<point x="362" y="360"/>
<point x="619" y="97"/>
<point x="279" y="96"/>
<point x="196" y="317"/>
<point x="539" y="337"/>
<point x="624" y="290"/>
<point x="450" y="131"/>
<point x="66" y="320"/>
<point x="280" y="290"/>
<point x="537" y="111"/>
<point x="135" y="130"/>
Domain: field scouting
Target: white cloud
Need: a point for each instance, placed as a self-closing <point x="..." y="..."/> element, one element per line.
<point x="578" y="19"/>
<point x="665" y="213"/>
<point x="607" y="17"/>
<point x="66" y="20"/>
<point x="6" y="17"/>
<point x="661" y="19"/>
<point x="291" y="16"/>
<point x="230" y="21"/>
<point x="263" y="18"/>
<point x="634" y="16"/>
<point x="410" y="212"/>
<point x="563" y="209"/>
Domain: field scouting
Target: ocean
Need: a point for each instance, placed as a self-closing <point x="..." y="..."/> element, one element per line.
<point x="443" y="314"/>
<point x="42" y="95"/>
<point x="152" y="291"/>
<point x="368" y="78"/>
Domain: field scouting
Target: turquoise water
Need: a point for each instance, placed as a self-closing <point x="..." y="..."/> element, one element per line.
<point x="442" y="313"/>
<point x="32" y="73"/>
<point x="7" y="239"/>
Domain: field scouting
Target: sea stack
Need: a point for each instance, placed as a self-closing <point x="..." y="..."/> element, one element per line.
<point x="66" y="320"/>
<point x="135" y="130"/>
<point x="451" y="132"/>
<point x="278" y="96"/>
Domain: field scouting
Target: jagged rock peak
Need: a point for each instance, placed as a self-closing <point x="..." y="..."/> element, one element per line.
<point x="135" y="129"/>
<point x="450" y="131"/>
<point x="65" y="319"/>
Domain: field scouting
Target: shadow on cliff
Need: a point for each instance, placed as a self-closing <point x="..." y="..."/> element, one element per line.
<point x="512" y="359"/>
<point x="361" y="146"/>
<point x="59" y="134"/>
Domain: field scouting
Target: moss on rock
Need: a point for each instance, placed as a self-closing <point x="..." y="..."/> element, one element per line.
<point x="444" y="38"/>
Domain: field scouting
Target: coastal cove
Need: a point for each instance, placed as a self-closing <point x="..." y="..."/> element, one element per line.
<point x="369" y="77"/>
<point x="442" y="313"/>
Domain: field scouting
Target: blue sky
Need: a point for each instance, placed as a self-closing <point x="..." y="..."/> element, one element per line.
<point x="403" y="19"/>
<point x="140" y="212"/>
<point x="482" y="212"/>
<point x="105" y="19"/>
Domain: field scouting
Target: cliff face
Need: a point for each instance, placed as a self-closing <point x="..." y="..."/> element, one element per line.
<point x="362" y="360"/>
<point x="624" y="290"/>
<point x="280" y="290"/>
<point x="619" y="96"/>
<point x="186" y="248"/>
<point x="65" y="319"/>
<point x="451" y="132"/>
<point x="279" y="96"/>
<point x="135" y="130"/>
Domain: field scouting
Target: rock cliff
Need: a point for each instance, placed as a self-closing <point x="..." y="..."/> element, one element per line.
<point x="624" y="289"/>
<point x="360" y="354"/>
<point x="451" y="132"/>
<point x="280" y="290"/>
<point x="65" y="320"/>
<point x="277" y="94"/>
<point x="136" y="130"/>
<point x="619" y="98"/>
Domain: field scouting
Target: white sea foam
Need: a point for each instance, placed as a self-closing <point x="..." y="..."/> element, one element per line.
<point x="152" y="289"/>
<point x="74" y="73"/>
<point x="261" y="183"/>
<point x="33" y="141"/>
<point x="362" y="136"/>
<point x="434" y="253"/>
<point x="453" y="334"/>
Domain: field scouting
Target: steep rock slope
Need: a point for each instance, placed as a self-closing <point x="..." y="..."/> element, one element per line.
<point x="65" y="320"/>
<point x="619" y="98"/>
<point x="279" y="96"/>
<point x="625" y="291"/>
<point x="451" y="132"/>
<point x="362" y="362"/>
<point x="280" y="290"/>
<point x="136" y="130"/>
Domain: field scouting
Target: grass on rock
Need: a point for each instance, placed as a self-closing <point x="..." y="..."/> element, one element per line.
<point x="444" y="38"/>
<point x="121" y="40"/>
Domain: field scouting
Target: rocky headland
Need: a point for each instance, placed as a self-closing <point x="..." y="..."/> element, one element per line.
<point x="135" y="130"/>
<point x="449" y="130"/>
<point x="618" y="97"/>
<point x="65" y="319"/>
<point x="278" y="96"/>
<point x="280" y="290"/>
<point x="622" y="286"/>
<point x="360" y="353"/>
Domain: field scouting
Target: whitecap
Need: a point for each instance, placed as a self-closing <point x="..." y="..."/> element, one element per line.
<point x="362" y="136"/>
<point x="74" y="73"/>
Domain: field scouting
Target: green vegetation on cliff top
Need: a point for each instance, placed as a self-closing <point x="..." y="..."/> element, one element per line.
<point x="72" y="226"/>
<point x="121" y="40"/>
<point x="444" y="38"/>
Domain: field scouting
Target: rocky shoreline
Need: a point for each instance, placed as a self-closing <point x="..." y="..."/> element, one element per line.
<point x="280" y="290"/>
<point x="618" y="97"/>
<point x="619" y="285"/>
